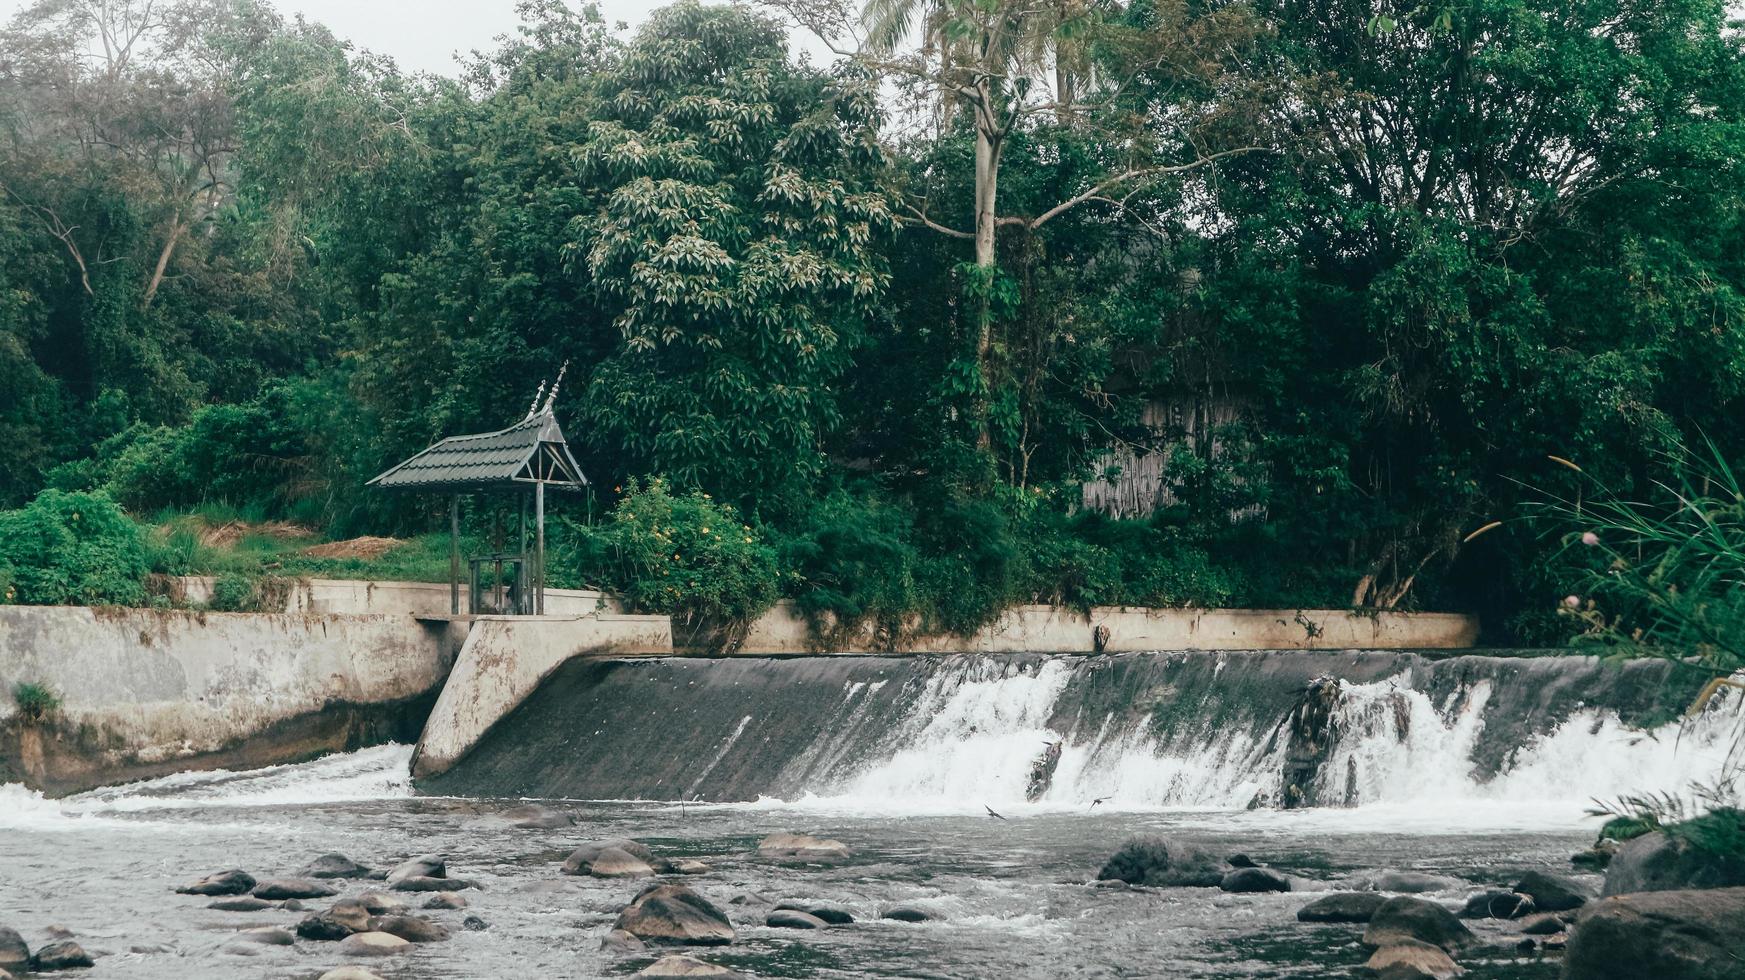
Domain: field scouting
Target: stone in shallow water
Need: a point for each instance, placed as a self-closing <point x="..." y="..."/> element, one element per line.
<point x="473" y="923"/>
<point x="422" y="866"/>
<point x="532" y="816"/>
<point x="350" y="973"/>
<point x="232" y="882"/>
<point x="1553" y="893"/>
<point x="334" y="866"/>
<point x="688" y="866"/>
<point x="1342" y="907"/>
<point x="1496" y="905"/>
<point x="803" y="849"/>
<point x="418" y="883"/>
<point x="908" y="913"/>
<point x="1249" y="880"/>
<point x="621" y="942"/>
<point x="245" y="903"/>
<point x="378" y="902"/>
<point x="675" y="914"/>
<point x="685" y="966"/>
<point x="267" y="936"/>
<point x="832" y="914"/>
<point x="373" y="944"/>
<point x="581" y="859"/>
<point x="792" y="919"/>
<point x="293" y="888"/>
<point x="1415" y="882"/>
<point x="1412" y="961"/>
<point x="1663" y="935"/>
<point x="1400" y="921"/>
<point x="1163" y="863"/>
<point x="446" y="900"/>
<point x="412" y="928"/>
<point x="14" y="951"/>
<point x="1543" y="924"/>
<point x="342" y="919"/>
<point x="62" y="955"/>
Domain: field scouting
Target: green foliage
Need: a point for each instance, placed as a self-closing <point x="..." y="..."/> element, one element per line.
<point x="232" y="592"/>
<point x="35" y="702"/>
<point x="684" y="555"/>
<point x="73" y="549"/>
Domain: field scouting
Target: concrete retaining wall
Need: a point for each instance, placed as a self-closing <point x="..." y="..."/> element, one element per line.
<point x="505" y="659"/>
<point x="148" y="692"/>
<point x="346" y="597"/>
<point x="1052" y="629"/>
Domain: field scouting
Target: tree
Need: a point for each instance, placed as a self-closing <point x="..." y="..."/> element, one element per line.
<point x="736" y="237"/>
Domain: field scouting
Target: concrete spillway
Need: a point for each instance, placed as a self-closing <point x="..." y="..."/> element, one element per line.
<point x="1157" y="729"/>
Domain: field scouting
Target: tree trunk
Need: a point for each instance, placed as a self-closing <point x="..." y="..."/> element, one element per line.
<point x="157" y="273"/>
<point x="986" y="188"/>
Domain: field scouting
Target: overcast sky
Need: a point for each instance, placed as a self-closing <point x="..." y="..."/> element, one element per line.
<point x="424" y="35"/>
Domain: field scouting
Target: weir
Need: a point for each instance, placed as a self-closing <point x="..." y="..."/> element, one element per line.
<point x="1196" y="729"/>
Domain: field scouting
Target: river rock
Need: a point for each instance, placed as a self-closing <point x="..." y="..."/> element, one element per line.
<point x="380" y="902"/>
<point x="685" y="966"/>
<point x="63" y="954"/>
<point x="1161" y="862"/>
<point x="334" y="866"/>
<point x="793" y="919"/>
<point x="532" y="816"/>
<point x="688" y="866"/>
<point x="1655" y="862"/>
<point x="831" y="914"/>
<point x="615" y="857"/>
<point x="1412" y="961"/>
<point x="1598" y="856"/>
<point x="373" y="944"/>
<point x="412" y="928"/>
<point x="340" y="920"/>
<point x="908" y="913"/>
<point x="350" y="973"/>
<point x="422" y="866"/>
<point x="803" y="849"/>
<point x="242" y="903"/>
<point x="622" y="943"/>
<point x="446" y="900"/>
<point x="1497" y="905"/>
<point x="1543" y="924"/>
<point x="1553" y="893"/>
<point x="473" y="923"/>
<point x="294" y="905"/>
<point x="1342" y="907"/>
<point x="1401" y="919"/>
<point x="1240" y="861"/>
<point x="14" y="951"/>
<point x="675" y="914"/>
<point x="267" y="936"/>
<point x="293" y="888"/>
<point x="1248" y="880"/>
<point x="231" y="882"/>
<point x="1667" y="935"/>
<point x="420" y="883"/>
<point x="1415" y="883"/>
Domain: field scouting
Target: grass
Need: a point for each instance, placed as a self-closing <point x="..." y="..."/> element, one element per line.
<point x="35" y="701"/>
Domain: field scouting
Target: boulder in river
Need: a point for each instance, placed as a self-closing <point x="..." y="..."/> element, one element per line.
<point x="380" y="902"/>
<point x="1415" y="882"/>
<point x="622" y="943"/>
<point x="1655" y="862"/>
<point x="1553" y="893"/>
<point x="1411" y="960"/>
<point x="688" y="866"/>
<point x="334" y="866"/>
<point x="1667" y="935"/>
<point x="473" y="923"/>
<point x="614" y="857"/>
<point x="1161" y="862"/>
<point x="1248" y="880"/>
<point x="1404" y="918"/>
<point x="373" y="944"/>
<point x="803" y="849"/>
<point x="266" y="936"/>
<point x="242" y="903"/>
<point x="1497" y="905"/>
<point x="794" y="919"/>
<point x="685" y="966"/>
<point x="412" y="928"/>
<point x="675" y="914"/>
<point x="1543" y="924"/>
<point x="232" y="882"/>
<point x="446" y="900"/>
<point x="350" y="973"/>
<point x="420" y="883"/>
<point x="340" y="920"/>
<point x="832" y="914"/>
<point x="14" y="951"/>
<point x="1342" y="907"/>
<point x="63" y="954"/>
<point x="280" y="888"/>
<point x="908" y="913"/>
<point x="422" y="866"/>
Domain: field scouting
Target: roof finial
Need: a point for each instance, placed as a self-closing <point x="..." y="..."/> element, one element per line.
<point x="551" y="397"/>
<point x="534" y="408"/>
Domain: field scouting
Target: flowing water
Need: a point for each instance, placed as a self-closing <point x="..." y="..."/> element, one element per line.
<point x="908" y="788"/>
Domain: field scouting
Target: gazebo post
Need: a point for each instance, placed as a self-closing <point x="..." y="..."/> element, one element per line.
<point x="522" y="600"/>
<point x="539" y="532"/>
<point x="454" y="554"/>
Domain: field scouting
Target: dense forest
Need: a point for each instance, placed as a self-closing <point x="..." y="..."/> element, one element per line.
<point x="1345" y="274"/>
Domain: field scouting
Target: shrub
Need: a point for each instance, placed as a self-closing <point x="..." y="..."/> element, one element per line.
<point x="854" y="563"/>
<point x="232" y="592"/>
<point x="73" y="549"/>
<point x="35" y="701"/>
<point x="687" y="556"/>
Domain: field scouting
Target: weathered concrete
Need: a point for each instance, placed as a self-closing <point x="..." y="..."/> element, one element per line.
<point x="1053" y="629"/>
<point x="347" y="597"/>
<point x="505" y="659"/>
<point x="146" y="692"/>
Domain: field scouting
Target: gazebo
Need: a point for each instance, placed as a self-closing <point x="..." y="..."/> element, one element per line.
<point x="523" y="459"/>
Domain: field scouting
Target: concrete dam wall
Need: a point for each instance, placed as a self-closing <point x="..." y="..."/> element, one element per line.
<point x="1280" y="728"/>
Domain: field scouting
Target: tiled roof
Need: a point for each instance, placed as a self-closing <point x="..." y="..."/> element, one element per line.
<point x="487" y="459"/>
